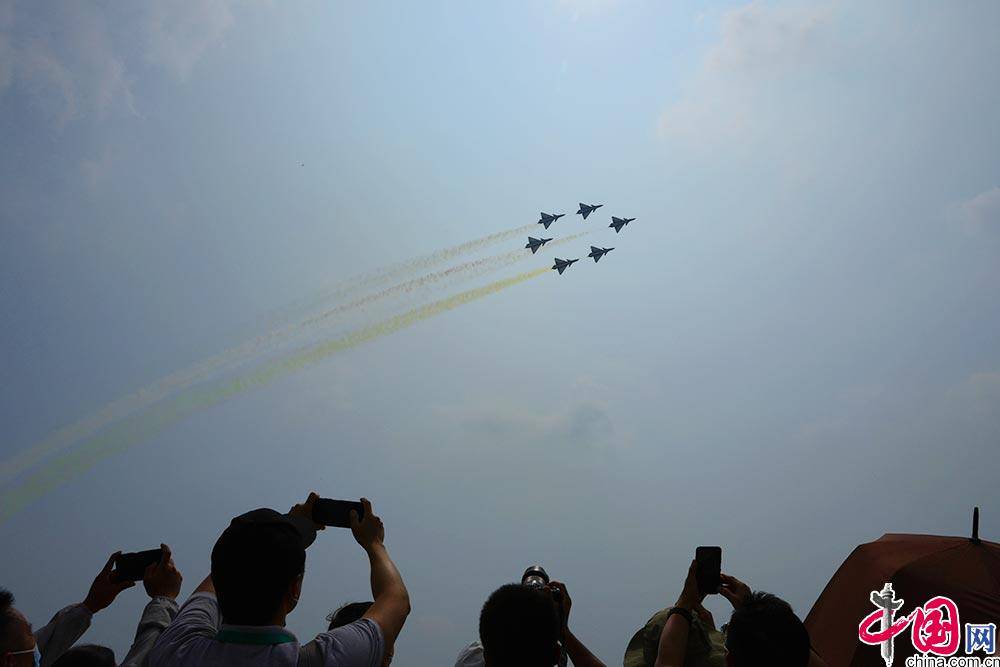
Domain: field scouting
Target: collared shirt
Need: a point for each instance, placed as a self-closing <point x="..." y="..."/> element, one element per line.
<point x="198" y="637"/>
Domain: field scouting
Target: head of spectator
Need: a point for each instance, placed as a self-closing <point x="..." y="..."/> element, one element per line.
<point x="351" y="612"/>
<point x="764" y="630"/>
<point x="258" y="563"/>
<point x="87" y="655"/>
<point x="519" y="625"/>
<point x="17" y="643"/>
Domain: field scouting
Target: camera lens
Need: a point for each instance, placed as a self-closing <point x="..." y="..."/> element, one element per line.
<point x="535" y="577"/>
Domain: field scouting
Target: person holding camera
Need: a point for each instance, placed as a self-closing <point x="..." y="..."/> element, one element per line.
<point x="763" y="630"/>
<point x="162" y="581"/>
<point x="237" y="615"/>
<point x="19" y="646"/>
<point x="527" y="624"/>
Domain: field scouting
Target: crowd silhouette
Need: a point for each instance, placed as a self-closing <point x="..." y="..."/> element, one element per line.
<point x="237" y="614"/>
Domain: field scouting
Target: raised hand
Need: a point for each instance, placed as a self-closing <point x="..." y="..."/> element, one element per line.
<point x="163" y="579"/>
<point x="369" y="530"/>
<point x="690" y="596"/>
<point x="105" y="588"/>
<point x="734" y="590"/>
<point x="306" y="510"/>
<point x="562" y="599"/>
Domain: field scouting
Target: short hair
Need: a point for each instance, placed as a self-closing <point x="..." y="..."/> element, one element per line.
<point x="7" y="618"/>
<point x="253" y="565"/>
<point x="519" y="626"/>
<point x="350" y="612"/>
<point x="765" y="631"/>
<point x="87" y="655"/>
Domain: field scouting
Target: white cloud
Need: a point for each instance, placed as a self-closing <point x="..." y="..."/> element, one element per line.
<point x="761" y="38"/>
<point x="48" y="81"/>
<point x="72" y="60"/>
<point x="179" y="34"/>
<point x="65" y="62"/>
<point x="981" y="213"/>
<point x="759" y="47"/>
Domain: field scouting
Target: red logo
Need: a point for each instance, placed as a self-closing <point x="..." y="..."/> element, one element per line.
<point x="934" y="628"/>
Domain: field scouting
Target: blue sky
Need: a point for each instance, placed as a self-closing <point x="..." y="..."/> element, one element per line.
<point x="793" y="349"/>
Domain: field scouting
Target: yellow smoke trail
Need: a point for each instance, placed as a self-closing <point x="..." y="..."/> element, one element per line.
<point x="141" y="426"/>
<point x="407" y="267"/>
<point x="475" y="267"/>
<point x="119" y="408"/>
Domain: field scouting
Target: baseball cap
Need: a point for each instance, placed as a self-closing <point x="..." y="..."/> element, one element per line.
<point x="257" y="557"/>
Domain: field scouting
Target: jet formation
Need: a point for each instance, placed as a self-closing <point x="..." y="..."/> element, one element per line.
<point x="535" y="244"/>
<point x="563" y="264"/>
<point x="587" y="209"/>
<point x="596" y="252"/>
<point x="618" y="223"/>
<point x="548" y="218"/>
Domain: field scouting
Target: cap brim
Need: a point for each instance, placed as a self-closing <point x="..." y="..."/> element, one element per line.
<point x="305" y="528"/>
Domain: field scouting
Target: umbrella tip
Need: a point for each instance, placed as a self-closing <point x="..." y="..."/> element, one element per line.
<point x="975" y="525"/>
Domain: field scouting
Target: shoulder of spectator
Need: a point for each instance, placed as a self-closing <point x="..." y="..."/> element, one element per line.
<point x="361" y="639"/>
<point x="200" y="613"/>
<point x="470" y="656"/>
<point x="159" y="608"/>
<point x="198" y="619"/>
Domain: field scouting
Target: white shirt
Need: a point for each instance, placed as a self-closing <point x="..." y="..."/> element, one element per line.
<point x="198" y="637"/>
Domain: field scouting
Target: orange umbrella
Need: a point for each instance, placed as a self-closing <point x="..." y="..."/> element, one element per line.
<point x="919" y="568"/>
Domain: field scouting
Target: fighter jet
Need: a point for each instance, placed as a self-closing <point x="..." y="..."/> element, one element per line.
<point x="535" y="244"/>
<point x="586" y="209"/>
<point x="548" y="218"/>
<point x="563" y="264"/>
<point x="597" y="253"/>
<point x="618" y="223"/>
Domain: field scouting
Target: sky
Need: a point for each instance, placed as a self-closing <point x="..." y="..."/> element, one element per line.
<point x="794" y="349"/>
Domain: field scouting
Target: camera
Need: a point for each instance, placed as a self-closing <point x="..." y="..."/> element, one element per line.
<point x="536" y="577"/>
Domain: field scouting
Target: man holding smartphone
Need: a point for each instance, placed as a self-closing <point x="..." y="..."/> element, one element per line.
<point x="20" y="646"/>
<point x="237" y="615"/>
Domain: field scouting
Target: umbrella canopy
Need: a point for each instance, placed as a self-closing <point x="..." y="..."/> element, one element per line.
<point x="919" y="567"/>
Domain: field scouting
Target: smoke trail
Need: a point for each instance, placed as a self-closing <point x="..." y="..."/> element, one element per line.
<point x="407" y="267"/>
<point x="141" y="426"/>
<point x="117" y="409"/>
<point x="474" y="268"/>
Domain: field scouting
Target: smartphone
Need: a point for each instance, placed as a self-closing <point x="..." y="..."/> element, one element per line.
<point x="708" y="565"/>
<point x="132" y="566"/>
<point x="336" y="513"/>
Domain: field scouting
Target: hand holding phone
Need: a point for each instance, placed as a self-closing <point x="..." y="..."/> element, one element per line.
<point x="708" y="566"/>
<point x="336" y="513"/>
<point x="106" y="586"/>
